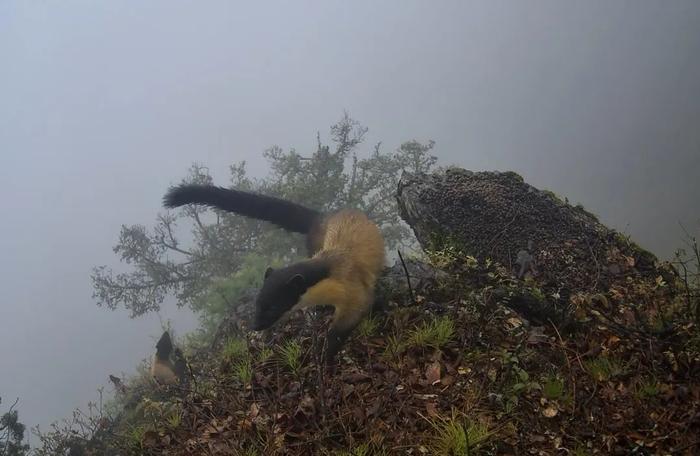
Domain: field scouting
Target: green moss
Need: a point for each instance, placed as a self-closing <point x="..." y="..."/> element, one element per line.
<point x="554" y="196"/>
<point x="515" y="176"/>
<point x="444" y="244"/>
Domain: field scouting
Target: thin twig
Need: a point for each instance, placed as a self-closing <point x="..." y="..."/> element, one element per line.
<point x="320" y="348"/>
<point x="568" y="364"/>
<point x="408" y="279"/>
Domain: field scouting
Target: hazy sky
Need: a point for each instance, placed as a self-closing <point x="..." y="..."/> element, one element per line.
<point x="104" y="104"/>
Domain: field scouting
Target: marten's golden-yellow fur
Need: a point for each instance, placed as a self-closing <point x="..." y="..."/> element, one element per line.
<point x="347" y="256"/>
<point x="163" y="371"/>
<point x="354" y="248"/>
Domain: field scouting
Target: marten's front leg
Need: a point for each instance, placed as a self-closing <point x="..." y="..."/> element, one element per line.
<point x="344" y="322"/>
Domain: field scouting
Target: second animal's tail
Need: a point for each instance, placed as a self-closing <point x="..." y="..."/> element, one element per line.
<point x="288" y="215"/>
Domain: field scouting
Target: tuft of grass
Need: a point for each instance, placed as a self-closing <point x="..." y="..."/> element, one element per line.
<point x="235" y="349"/>
<point x="290" y="355"/>
<point x="580" y="450"/>
<point x="265" y="354"/>
<point x="455" y="437"/>
<point x="647" y="389"/>
<point x="135" y="437"/>
<point x="243" y="370"/>
<point x="604" y="368"/>
<point x="435" y="333"/>
<point x="368" y="327"/>
<point x="249" y="452"/>
<point x="394" y="347"/>
<point x="174" y="419"/>
<point x="364" y="449"/>
<point x="360" y="450"/>
<point x="553" y="388"/>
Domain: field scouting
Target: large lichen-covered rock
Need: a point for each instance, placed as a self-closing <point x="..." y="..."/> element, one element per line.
<point x="532" y="232"/>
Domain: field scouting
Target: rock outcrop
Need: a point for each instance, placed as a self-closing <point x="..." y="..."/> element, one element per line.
<point x="532" y="232"/>
<point x="498" y="215"/>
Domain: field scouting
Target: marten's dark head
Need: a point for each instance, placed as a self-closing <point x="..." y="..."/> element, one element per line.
<point x="283" y="288"/>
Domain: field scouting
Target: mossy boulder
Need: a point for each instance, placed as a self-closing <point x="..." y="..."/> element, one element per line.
<point x="497" y="215"/>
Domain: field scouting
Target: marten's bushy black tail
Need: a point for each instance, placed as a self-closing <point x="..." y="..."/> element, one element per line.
<point x="288" y="215"/>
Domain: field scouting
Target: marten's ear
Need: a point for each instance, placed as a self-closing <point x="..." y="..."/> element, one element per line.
<point x="297" y="283"/>
<point x="268" y="271"/>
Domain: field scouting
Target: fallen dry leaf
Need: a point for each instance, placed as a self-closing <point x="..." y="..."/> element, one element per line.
<point x="550" y="412"/>
<point x="431" y="408"/>
<point x="432" y="373"/>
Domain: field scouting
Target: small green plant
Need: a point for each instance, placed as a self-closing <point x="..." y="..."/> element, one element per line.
<point x="447" y="253"/>
<point x="290" y="354"/>
<point x="265" y="354"/>
<point x="235" y="349"/>
<point x="360" y="450"/>
<point x="603" y="368"/>
<point x="174" y="419"/>
<point x="580" y="450"/>
<point x="394" y="347"/>
<point x="537" y="294"/>
<point x="243" y="370"/>
<point x="364" y="449"/>
<point x="553" y="388"/>
<point x="455" y="437"/>
<point x="522" y="382"/>
<point x="135" y="436"/>
<point x="518" y="380"/>
<point x="435" y="333"/>
<point x="647" y="389"/>
<point x="510" y="403"/>
<point x="368" y="327"/>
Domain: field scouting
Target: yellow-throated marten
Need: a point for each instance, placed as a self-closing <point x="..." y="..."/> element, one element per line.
<point x="346" y="250"/>
<point x="163" y="370"/>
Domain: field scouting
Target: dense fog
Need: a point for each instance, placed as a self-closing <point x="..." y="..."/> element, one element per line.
<point x="105" y="104"/>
